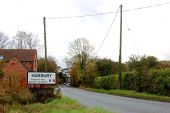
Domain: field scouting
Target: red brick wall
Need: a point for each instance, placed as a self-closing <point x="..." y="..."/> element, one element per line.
<point x="28" y="65"/>
<point x="15" y="71"/>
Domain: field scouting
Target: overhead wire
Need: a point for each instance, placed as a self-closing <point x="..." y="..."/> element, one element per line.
<point x="106" y="13"/>
<point x="107" y="31"/>
<point x="145" y="7"/>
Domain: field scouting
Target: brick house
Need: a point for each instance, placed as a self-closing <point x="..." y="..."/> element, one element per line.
<point x="17" y="62"/>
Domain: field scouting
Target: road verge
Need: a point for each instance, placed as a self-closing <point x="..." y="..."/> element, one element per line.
<point x="63" y="105"/>
<point x="132" y="94"/>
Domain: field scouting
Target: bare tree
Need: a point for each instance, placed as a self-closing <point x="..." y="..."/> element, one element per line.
<point x="80" y="50"/>
<point x="24" y="40"/>
<point x="4" y="40"/>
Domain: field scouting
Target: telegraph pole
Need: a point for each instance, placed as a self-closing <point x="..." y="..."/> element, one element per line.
<point x="45" y="44"/>
<point x="120" y="50"/>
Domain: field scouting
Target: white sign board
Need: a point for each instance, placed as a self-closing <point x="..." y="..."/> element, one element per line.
<point x="41" y="78"/>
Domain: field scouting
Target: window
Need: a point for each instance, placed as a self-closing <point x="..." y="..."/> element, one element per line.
<point x="1" y="57"/>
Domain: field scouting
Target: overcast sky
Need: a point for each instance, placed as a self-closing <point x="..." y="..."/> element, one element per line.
<point x="145" y="31"/>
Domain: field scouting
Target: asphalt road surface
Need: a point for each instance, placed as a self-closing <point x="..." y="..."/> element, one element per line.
<point x="115" y="103"/>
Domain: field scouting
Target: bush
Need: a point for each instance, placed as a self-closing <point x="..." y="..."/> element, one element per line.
<point x="106" y="82"/>
<point x="23" y="96"/>
<point x="5" y="98"/>
<point x="152" y="81"/>
<point x="161" y="82"/>
<point x="128" y="80"/>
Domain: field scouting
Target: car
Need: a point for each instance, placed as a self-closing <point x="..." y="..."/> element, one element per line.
<point x="68" y="84"/>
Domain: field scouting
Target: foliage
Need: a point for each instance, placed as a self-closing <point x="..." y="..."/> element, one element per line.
<point x="163" y="64"/>
<point x="105" y="67"/>
<point x="144" y="75"/>
<point x="51" y="64"/>
<point x="22" y="96"/>
<point x="12" y="91"/>
<point x="80" y="51"/>
<point x="142" y="62"/>
<point x="140" y="79"/>
<point x="91" y="73"/>
<point x="128" y="80"/>
<point x="155" y="81"/>
<point x="105" y="82"/>
<point x="75" y="75"/>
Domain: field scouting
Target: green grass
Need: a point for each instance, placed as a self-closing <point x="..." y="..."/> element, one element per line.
<point x="132" y="94"/>
<point x="63" y="105"/>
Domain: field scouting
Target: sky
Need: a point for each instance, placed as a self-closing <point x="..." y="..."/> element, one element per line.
<point x="145" y="30"/>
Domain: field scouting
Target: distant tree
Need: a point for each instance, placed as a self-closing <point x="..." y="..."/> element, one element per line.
<point x="142" y="62"/>
<point x="24" y="40"/>
<point x="4" y="40"/>
<point x="80" y="50"/>
<point x="68" y="61"/>
<point x="104" y="67"/>
<point x="51" y="62"/>
<point x="164" y="64"/>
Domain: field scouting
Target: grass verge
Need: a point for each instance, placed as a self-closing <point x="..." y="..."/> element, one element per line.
<point x="63" y="105"/>
<point x="132" y="94"/>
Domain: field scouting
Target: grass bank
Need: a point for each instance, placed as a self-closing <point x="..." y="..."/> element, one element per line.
<point x="63" y="105"/>
<point x="132" y="94"/>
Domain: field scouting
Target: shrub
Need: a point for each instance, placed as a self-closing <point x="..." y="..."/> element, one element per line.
<point x="22" y="96"/>
<point x="152" y="81"/>
<point x="128" y="80"/>
<point x="106" y="82"/>
<point x="5" y="98"/>
<point x="161" y="82"/>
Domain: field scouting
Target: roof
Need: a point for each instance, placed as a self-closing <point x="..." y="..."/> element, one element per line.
<point x="20" y="54"/>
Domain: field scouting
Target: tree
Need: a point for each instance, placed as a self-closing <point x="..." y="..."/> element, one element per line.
<point x="75" y="72"/>
<point x="4" y="40"/>
<point x="24" y="40"/>
<point x="51" y="62"/>
<point x="80" y="50"/>
<point x="142" y="62"/>
<point x="105" y="67"/>
<point x="140" y="66"/>
<point x="91" y="72"/>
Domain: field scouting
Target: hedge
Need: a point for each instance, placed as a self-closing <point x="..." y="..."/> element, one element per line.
<point x="106" y="82"/>
<point x="152" y="81"/>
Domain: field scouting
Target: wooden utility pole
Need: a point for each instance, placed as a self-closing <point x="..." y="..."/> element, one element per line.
<point x="45" y="44"/>
<point x="120" y="50"/>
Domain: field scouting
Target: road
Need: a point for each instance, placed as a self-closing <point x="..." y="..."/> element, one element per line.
<point x="115" y="103"/>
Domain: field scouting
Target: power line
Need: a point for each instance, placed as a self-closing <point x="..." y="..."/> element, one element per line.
<point x="107" y="32"/>
<point x="106" y="13"/>
<point x="81" y="16"/>
<point x="145" y="7"/>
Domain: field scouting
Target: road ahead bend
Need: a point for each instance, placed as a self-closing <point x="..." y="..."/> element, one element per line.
<point x="115" y="103"/>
